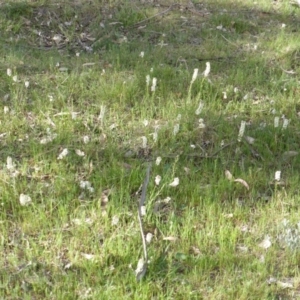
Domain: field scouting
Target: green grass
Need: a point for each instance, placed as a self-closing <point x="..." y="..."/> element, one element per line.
<point x="88" y="94"/>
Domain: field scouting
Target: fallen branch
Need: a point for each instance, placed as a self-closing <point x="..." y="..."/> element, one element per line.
<point x="212" y="155"/>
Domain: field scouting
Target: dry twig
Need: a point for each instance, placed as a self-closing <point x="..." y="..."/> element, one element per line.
<point x="142" y="265"/>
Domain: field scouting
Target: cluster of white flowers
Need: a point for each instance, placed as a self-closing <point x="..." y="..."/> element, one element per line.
<point x="86" y="185"/>
<point x="15" y="78"/>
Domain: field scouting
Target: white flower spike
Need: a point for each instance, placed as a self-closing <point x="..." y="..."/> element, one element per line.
<point x="154" y="82"/>
<point x="241" y="131"/>
<point x="115" y="220"/>
<point x="277" y="175"/>
<point x="149" y="237"/>
<point x="199" y="109"/>
<point x="285" y="123"/>
<point x="158" y="160"/>
<point x="143" y="210"/>
<point x="63" y="153"/>
<point x="157" y="179"/>
<point x="207" y="69"/>
<point x="88" y="256"/>
<point x="5" y="109"/>
<point x="86" y="139"/>
<point x="266" y="243"/>
<point x="86" y="185"/>
<point x="102" y="113"/>
<point x="144" y="142"/>
<point x="155" y="136"/>
<point x="176" y="129"/>
<point x="148" y="80"/>
<point x="79" y="152"/>
<point x="175" y="182"/>
<point x="276" y="122"/>
<point x="24" y="199"/>
<point x="9" y="72"/>
<point x="195" y="74"/>
<point x="9" y="163"/>
<point x="201" y="123"/>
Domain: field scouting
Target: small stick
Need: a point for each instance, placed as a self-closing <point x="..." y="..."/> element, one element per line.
<point x="141" y="203"/>
<point x="156" y="15"/>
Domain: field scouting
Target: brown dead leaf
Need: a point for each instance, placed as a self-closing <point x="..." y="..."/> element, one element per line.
<point x="187" y="170"/>
<point x="125" y="166"/>
<point x="228" y="216"/>
<point x="195" y="250"/>
<point x="170" y="238"/>
<point x="286" y="284"/>
<point x="289" y="154"/>
<point x="243" y="182"/>
<point x="162" y="207"/>
<point x="90" y="64"/>
<point x="26" y="21"/>
<point x="102" y="137"/>
<point x="104" y="197"/>
<point x="86" y="37"/>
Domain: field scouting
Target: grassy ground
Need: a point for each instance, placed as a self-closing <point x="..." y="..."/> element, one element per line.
<point x="82" y="121"/>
